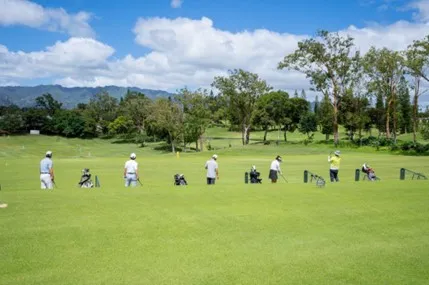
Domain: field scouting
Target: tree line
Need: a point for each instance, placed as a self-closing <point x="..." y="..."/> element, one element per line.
<point x="359" y="92"/>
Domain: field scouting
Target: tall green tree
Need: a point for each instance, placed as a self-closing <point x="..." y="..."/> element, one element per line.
<point x="308" y="124"/>
<point x="316" y="105"/>
<point x="405" y="112"/>
<point x="121" y="125"/>
<point x="69" y="123"/>
<point x="135" y="106"/>
<point x="385" y="69"/>
<point x="295" y="94"/>
<point x="354" y="114"/>
<point x="48" y="103"/>
<point x="324" y="117"/>
<point x="196" y="115"/>
<point x="217" y="108"/>
<point x="378" y="114"/>
<point x="11" y="119"/>
<point x="417" y="63"/>
<point x="166" y="117"/>
<point x="272" y="110"/>
<point x="294" y="110"/>
<point x="241" y="90"/>
<point x="329" y="62"/>
<point x="102" y="109"/>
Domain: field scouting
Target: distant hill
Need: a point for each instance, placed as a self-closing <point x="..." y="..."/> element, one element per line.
<point x="24" y="96"/>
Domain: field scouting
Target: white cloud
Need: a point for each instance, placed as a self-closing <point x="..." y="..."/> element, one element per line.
<point x="422" y="7"/>
<point x="73" y="56"/>
<point x="23" y="12"/>
<point x="185" y="52"/>
<point x="176" y="3"/>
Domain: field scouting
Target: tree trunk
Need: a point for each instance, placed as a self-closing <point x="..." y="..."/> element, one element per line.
<point x="247" y="134"/>
<point x="388" y="121"/>
<point x="201" y="143"/>
<point x="173" y="147"/>
<point x="285" y="135"/>
<point x="265" y="134"/>
<point x="243" y="134"/>
<point x="327" y="137"/>
<point x="196" y="145"/>
<point x="395" y="118"/>
<point x="336" y="135"/>
<point x="415" y="107"/>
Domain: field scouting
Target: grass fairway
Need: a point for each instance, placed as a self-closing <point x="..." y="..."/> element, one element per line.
<point x="230" y="233"/>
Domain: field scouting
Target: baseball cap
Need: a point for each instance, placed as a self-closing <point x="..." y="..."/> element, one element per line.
<point x="48" y="153"/>
<point x="337" y="152"/>
<point x="133" y="155"/>
<point x="214" y="156"/>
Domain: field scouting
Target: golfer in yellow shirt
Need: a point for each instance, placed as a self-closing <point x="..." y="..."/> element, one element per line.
<point x="334" y="165"/>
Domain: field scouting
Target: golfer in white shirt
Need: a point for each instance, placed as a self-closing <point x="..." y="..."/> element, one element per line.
<point x="212" y="170"/>
<point x="131" y="174"/>
<point x="47" y="171"/>
<point x="274" y="169"/>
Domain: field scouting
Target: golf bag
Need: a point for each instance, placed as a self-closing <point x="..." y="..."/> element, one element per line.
<point x="254" y="176"/>
<point x="179" y="180"/>
<point x="369" y="172"/>
<point x="85" y="180"/>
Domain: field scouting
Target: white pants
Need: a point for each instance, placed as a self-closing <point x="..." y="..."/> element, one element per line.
<point x="46" y="181"/>
<point x="131" y="179"/>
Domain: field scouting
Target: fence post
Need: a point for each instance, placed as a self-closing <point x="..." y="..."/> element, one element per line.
<point x="305" y="176"/>
<point x="402" y="174"/>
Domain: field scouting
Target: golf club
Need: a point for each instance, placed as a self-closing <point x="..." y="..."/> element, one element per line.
<point x="55" y="184"/>
<point x="141" y="184"/>
<point x="283" y="178"/>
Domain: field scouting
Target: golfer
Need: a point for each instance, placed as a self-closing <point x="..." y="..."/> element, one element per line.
<point x="275" y="169"/>
<point x="212" y="170"/>
<point x="131" y="174"/>
<point x="334" y="166"/>
<point x="47" y="171"/>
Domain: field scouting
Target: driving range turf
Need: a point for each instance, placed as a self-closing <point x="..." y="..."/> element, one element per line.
<point x="230" y="233"/>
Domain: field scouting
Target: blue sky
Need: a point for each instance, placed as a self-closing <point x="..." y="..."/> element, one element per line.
<point x="165" y="45"/>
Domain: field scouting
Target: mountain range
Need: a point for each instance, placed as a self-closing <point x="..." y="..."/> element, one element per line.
<point x="24" y="96"/>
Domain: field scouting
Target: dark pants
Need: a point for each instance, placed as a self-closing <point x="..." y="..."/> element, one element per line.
<point x="210" y="180"/>
<point x="333" y="173"/>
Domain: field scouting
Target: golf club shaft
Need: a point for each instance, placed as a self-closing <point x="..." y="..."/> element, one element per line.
<point x="284" y="178"/>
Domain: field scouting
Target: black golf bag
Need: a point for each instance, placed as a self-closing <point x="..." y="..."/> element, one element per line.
<point x="179" y="180"/>
<point x="85" y="180"/>
<point x="254" y="176"/>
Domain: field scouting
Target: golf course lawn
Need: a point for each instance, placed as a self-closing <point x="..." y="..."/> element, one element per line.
<point x="229" y="233"/>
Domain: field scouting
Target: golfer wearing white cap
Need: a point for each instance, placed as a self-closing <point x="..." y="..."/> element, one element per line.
<point x="334" y="165"/>
<point x="275" y="168"/>
<point x="212" y="170"/>
<point x="47" y="171"/>
<point x="131" y="174"/>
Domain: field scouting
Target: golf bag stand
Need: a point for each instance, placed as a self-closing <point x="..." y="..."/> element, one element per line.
<point x="85" y="180"/>
<point x="254" y="176"/>
<point x="179" y="180"/>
